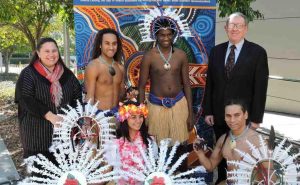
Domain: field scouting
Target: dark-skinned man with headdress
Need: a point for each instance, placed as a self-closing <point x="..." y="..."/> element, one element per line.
<point x="170" y="98"/>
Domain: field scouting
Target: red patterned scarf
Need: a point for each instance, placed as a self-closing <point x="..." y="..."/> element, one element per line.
<point x="53" y="77"/>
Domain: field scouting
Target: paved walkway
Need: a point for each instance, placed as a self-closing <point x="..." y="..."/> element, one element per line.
<point x="287" y="125"/>
<point x="8" y="170"/>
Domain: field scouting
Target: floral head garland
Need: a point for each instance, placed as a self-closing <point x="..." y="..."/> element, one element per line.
<point x="125" y="111"/>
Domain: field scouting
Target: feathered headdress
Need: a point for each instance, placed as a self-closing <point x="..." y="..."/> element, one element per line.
<point x="158" y="18"/>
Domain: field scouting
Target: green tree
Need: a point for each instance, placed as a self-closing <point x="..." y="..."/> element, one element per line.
<point x="67" y="12"/>
<point x="226" y="7"/>
<point x="31" y="17"/>
<point x="10" y="40"/>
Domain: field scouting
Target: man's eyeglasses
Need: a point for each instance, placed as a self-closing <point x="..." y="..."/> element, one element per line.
<point x="237" y="26"/>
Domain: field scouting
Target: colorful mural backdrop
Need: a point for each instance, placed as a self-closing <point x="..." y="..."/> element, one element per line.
<point x="126" y="15"/>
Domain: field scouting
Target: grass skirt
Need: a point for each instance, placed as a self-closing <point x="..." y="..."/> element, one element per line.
<point x="169" y="122"/>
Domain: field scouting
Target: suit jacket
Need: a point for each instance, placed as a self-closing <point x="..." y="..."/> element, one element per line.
<point x="248" y="81"/>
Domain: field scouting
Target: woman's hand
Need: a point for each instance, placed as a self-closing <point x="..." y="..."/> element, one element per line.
<point x="53" y="118"/>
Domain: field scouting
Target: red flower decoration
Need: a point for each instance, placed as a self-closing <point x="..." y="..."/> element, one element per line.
<point x="71" y="182"/>
<point x="158" y="181"/>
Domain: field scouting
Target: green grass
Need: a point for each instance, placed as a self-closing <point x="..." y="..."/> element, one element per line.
<point x="7" y="93"/>
<point x="7" y="87"/>
<point x="8" y="77"/>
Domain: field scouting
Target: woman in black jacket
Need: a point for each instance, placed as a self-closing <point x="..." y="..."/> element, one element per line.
<point x="43" y="88"/>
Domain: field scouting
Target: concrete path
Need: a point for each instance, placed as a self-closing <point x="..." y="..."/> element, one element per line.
<point x="287" y="125"/>
<point x="8" y="172"/>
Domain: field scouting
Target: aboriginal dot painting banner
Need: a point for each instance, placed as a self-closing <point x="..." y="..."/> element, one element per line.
<point x="126" y="17"/>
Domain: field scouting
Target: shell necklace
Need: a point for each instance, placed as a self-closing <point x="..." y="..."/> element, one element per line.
<point x="111" y="69"/>
<point x="234" y="138"/>
<point x="167" y="65"/>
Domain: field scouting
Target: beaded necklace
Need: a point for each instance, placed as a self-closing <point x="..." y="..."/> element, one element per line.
<point x="111" y="69"/>
<point x="234" y="138"/>
<point x="167" y="65"/>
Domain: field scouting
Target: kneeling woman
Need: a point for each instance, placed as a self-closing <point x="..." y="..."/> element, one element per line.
<point x="132" y="134"/>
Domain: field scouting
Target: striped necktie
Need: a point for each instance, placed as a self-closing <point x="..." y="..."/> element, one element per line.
<point x="230" y="61"/>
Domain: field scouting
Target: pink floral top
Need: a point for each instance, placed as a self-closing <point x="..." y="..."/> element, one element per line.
<point x="128" y="150"/>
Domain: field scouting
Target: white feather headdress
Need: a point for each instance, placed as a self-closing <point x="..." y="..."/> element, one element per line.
<point x="152" y="24"/>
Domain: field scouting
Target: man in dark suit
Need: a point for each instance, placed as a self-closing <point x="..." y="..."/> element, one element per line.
<point x="237" y="69"/>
